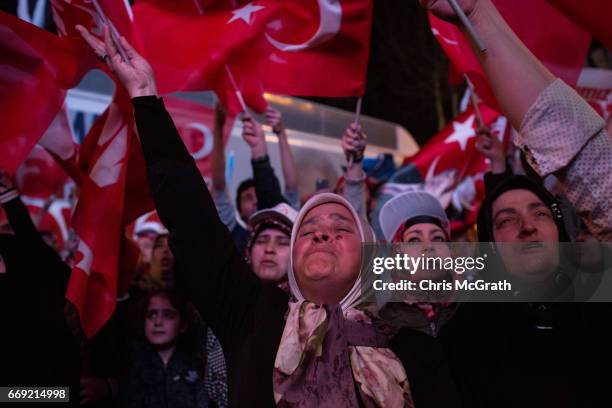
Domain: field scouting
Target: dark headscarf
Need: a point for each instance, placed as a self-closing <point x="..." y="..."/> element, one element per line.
<point x="485" y="215"/>
<point x="563" y="278"/>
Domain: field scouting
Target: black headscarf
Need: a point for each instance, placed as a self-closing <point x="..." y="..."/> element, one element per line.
<point x="563" y="278"/>
<point x="485" y="215"/>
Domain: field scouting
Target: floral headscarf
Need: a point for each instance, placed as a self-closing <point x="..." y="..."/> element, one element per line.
<point x="326" y="348"/>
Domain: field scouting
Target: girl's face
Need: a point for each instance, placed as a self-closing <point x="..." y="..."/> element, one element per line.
<point x="163" y="322"/>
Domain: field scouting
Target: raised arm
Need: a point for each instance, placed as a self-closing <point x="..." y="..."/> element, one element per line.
<point x="267" y="186"/>
<point x="493" y="149"/>
<point x="218" y="150"/>
<point x="224" y="205"/>
<point x="17" y="214"/>
<point x="56" y="273"/>
<point x="212" y="271"/>
<point x="558" y="132"/>
<point x="353" y="144"/>
<point x="275" y="120"/>
<point x="507" y="61"/>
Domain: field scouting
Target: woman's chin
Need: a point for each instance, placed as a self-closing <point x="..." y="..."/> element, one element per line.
<point x="319" y="270"/>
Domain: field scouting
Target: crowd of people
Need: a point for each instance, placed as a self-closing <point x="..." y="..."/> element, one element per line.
<point x="273" y="314"/>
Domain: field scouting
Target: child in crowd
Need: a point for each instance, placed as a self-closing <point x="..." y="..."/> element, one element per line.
<point x="164" y="371"/>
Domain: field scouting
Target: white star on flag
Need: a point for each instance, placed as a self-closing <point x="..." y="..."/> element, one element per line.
<point x="462" y="132"/>
<point x="244" y="13"/>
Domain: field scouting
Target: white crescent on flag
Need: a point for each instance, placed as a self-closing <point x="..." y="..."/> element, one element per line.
<point x="330" y="12"/>
<point x="207" y="142"/>
<point x="85" y="263"/>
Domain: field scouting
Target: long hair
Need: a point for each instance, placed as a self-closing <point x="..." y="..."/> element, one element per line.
<point x="188" y="340"/>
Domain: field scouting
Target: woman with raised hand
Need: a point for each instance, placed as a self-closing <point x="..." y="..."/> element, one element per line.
<point x="559" y="132"/>
<point x="321" y="346"/>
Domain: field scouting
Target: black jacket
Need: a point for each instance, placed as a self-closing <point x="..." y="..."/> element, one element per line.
<point x="247" y="316"/>
<point x="36" y="345"/>
<point x="148" y="384"/>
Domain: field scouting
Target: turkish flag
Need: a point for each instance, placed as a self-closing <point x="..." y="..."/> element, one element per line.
<point x="40" y="176"/>
<point x="317" y="48"/>
<point x="60" y="142"/>
<point x="98" y="218"/>
<point x="595" y="86"/>
<point x="449" y="167"/>
<point x="563" y="50"/>
<point x="55" y="219"/>
<point x="462" y="60"/>
<point x="195" y="123"/>
<point x="36" y="68"/>
<point x="187" y="50"/>
<point x="68" y="13"/>
<point x="592" y="15"/>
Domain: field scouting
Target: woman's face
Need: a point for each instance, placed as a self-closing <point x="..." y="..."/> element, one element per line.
<point x="428" y="240"/>
<point x="270" y="255"/>
<point x="163" y="323"/>
<point x="327" y="253"/>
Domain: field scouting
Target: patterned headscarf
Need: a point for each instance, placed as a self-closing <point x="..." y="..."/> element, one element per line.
<point x="325" y="347"/>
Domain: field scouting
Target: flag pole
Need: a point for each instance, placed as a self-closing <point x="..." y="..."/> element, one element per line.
<point x="114" y="33"/>
<point x="236" y="89"/>
<point x="468" y="25"/>
<point x="357" y="117"/>
<point x="474" y="99"/>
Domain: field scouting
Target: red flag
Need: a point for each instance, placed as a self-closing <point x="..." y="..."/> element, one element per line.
<point x="61" y="144"/>
<point x="462" y="60"/>
<point x="56" y="218"/>
<point x="195" y="124"/>
<point x="36" y="67"/>
<point x="173" y="40"/>
<point x="98" y="219"/>
<point x="40" y="176"/>
<point x="449" y="166"/>
<point x="563" y="50"/>
<point x="592" y="15"/>
<point x="595" y="86"/>
<point x="68" y="13"/>
<point x="318" y="49"/>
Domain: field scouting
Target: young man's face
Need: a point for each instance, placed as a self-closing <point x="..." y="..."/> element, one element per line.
<point x="521" y="218"/>
<point x="327" y="253"/>
<point x="248" y="203"/>
<point x="270" y="255"/>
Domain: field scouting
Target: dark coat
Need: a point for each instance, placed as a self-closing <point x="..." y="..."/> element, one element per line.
<point x="247" y="316"/>
<point x="36" y="345"/>
<point x="148" y="384"/>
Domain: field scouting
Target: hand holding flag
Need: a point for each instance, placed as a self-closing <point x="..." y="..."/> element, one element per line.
<point x="354" y="143"/>
<point x="135" y="74"/>
<point x="492" y="148"/>
<point x="253" y="134"/>
<point x="275" y="120"/>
